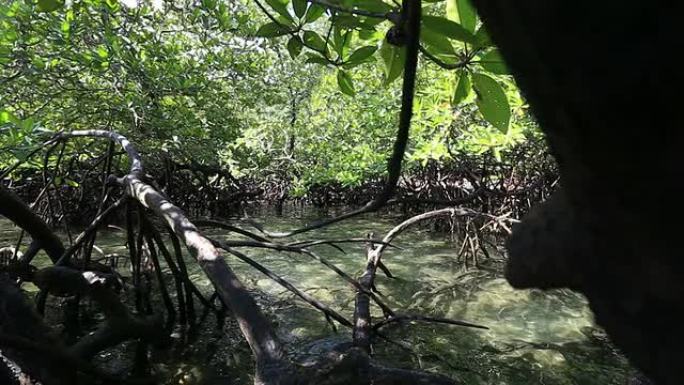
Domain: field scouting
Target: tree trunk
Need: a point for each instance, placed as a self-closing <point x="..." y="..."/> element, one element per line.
<point x="610" y="109"/>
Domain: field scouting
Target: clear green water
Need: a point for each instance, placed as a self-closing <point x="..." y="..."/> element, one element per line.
<point x="535" y="337"/>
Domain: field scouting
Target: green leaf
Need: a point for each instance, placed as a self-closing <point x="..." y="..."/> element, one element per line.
<point x="373" y="5"/>
<point x="102" y="52"/>
<point x="341" y="40"/>
<point x="467" y="14"/>
<point x="65" y="27"/>
<point x="294" y="46"/>
<point x="463" y="88"/>
<point x="493" y="62"/>
<point x="313" y="40"/>
<point x="365" y="34"/>
<point x="71" y="183"/>
<point x="492" y="102"/>
<point x="483" y="39"/>
<point x="362" y="54"/>
<point x="317" y="59"/>
<point x="209" y="4"/>
<point x="344" y="81"/>
<point x="394" y="58"/>
<point x="7" y="117"/>
<point x="299" y="7"/>
<point x="49" y="5"/>
<point x="272" y="30"/>
<point x="352" y="22"/>
<point x="452" y="11"/>
<point x="113" y="4"/>
<point x="449" y="29"/>
<point x="314" y="12"/>
<point x="281" y="8"/>
<point x="463" y="13"/>
<point x="437" y="44"/>
<point x="285" y="21"/>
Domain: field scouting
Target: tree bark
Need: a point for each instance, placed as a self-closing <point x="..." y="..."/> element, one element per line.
<point x="611" y="111"/>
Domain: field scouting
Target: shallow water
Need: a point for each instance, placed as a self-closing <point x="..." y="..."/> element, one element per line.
<point x="534" y="337"/>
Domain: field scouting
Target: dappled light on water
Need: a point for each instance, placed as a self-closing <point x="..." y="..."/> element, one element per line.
<point x="534" y="337"/>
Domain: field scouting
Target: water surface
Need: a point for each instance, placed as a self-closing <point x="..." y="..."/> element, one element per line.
<point x="534" y="337"/>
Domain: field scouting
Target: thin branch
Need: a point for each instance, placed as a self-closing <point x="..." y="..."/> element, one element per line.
<point x="229" y="227"/>
<point x="333" y="241"/>
<point x="64" y="259"/>
<point x="451" y="211"/>
<point x="420" y="318"/>
<point x="443" y="64"/>
<point x="359" y="12"/>
<point x="256" y="329"/>
<point x="27" y="157"/>
<point x="284" y="283"/>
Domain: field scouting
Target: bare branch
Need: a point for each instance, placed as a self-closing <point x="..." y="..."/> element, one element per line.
<point x="411" y="318"/>
<point x="229" y="227"/>
<point x="255" y="327"/>
<point x="21" y="215"/>
<point x="284" y="283"/>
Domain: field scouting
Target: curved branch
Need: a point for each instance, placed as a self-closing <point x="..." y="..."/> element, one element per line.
<point x="133" y="155"/>
<point x="21" y="215"/>
<point x="254" y="326"/>
<point x="451" y="211"/>
<point x="443" y="64"/>
<point x="401" y="318"/>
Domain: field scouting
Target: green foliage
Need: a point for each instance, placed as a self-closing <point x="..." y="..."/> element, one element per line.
<point x="314" y="41"/>
<point x="492" y="62"/>
<point x="492" y="101"/>
<point x="272" y="30"/>
<point x="345" y="83"/>
<point x="462" y="12"/>
<point x="449" y="29"/>
<point x="294" y="46"/>
<point x="49" y="5"/>
<point x="463" y="87"/>
<point x="303" y="94"/>
<point x="153" y="74"/>
<point x="449" y="37"/>
<point x="394" y="58"/>
<point x="361" y="55"/>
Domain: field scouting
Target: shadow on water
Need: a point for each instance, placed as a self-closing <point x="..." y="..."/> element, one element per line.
<point x="534" y="337"/>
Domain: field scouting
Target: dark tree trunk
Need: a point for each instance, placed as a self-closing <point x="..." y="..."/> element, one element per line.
<point x="604" y="82"/>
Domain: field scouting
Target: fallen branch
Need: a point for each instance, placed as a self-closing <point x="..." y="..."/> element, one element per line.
<point x="284" y="283"/>
<point x="21" y="215"/>
<point x="411" y="318"/>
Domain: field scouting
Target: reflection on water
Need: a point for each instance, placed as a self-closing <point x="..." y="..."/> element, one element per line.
<point x="535" y="337"/>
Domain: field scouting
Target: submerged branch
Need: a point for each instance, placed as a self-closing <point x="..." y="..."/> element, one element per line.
<point x="410" y="318"/>
<point x="284" y="283"/>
